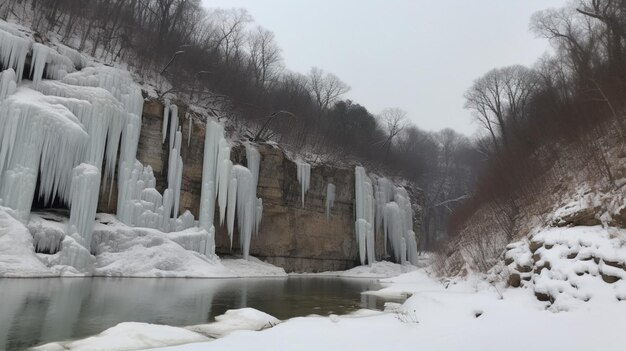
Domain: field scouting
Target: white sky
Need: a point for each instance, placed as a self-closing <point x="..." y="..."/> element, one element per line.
<point x="418" y="55"/>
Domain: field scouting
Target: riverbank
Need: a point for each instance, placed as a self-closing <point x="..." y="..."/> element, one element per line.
<point x="457" y="314"/>
<point x="461" y="314"/>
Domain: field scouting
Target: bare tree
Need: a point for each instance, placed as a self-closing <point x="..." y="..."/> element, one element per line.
<point x="612" y="13"/>
<point x="264" y="57"/>
<point x="576" y="37"/>
<point x="499" y="99"/>
<point x="394" y="121"/>
<point x="229" y="33"/>
<point x="326" y="88"/>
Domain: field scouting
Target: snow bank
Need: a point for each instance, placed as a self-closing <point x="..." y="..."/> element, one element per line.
<point x="144" y="252"/>
<point x="377" y="270"/>
<point x="73" y="259"/>
<point x="129" y="336"/>
<point x="135" y="336"/>
<point x="252" y="267"/>
<point x="233" y="320"/>
<point x="17" y="253"/>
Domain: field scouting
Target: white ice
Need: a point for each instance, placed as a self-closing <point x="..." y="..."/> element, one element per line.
<point x="304" y="177"/>
<point x="330" y="199"/>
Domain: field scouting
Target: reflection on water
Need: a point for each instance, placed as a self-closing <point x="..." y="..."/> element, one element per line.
<point x="35" y="311"/>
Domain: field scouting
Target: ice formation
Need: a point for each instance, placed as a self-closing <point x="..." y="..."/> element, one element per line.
<point x="387" y="208"/>
<point x="7" y="83"/>
<point x="166" y="116"/>
<point x="246" y="203"/>
<point x="189" y="129"/>
<point x="84" y="201"/>
<point x="38" y="138"/>
<point x="304" y="178"/>
<point x="43" y="57"/>
<point x="13" y="51"/>
<point x="69" y="130"/>
<point x="234" y="187"/>
<point x="64" y="132"/>
<point x="210" y="169"/>
<point x="364" y="211"/>
<point x="173" y="125"/>
<point x="330" y="199"/>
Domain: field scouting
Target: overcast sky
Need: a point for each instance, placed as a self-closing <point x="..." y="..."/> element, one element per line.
<point x="417" y="55"/>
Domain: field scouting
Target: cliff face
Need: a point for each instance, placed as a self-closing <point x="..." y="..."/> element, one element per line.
<point x="296" y="238"/>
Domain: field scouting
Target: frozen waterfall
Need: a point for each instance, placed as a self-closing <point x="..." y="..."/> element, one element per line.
<point x="234" y="187"/>
<point x="387" y="208"/>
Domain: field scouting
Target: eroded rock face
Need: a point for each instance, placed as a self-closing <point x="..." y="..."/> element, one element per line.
<point x="295" y="238"/>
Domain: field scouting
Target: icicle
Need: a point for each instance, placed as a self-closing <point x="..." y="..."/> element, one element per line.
<point x="104" y="120"/>
<point x="364" y="206"/>
<point x="398" y="227"/>
<point x="173" y="125"/>
<point x="254" y="160"/>
<point x="223" y="187"/>
<point x="7" y="83"/>
<point x="166" y="114"/>
<point x="247" y="206"/>
<point x="403" y="251"/>
<point x="13" y="51"/>
<point x="37" y="137"/>
<point x="38" y="62"/>
<point x="361" y="232"/>
<point x="259" y="215"/>
<point x="304" y="178"/>
<point x="175" y="172"/>
<point x="84" y="202"/>
<point x="232" y="202"/>
<point x="212" y="140"/>
<point x="330" y="199"/>
<point x="223" y="154"/>
<point x="189" y="129"/>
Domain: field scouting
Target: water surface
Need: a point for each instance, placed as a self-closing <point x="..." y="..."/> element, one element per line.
<point x="36" y="311"/>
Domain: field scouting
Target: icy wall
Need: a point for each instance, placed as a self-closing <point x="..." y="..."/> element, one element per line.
<point x="295" y="237"/>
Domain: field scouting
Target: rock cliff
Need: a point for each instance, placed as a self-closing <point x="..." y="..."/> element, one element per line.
<point x="299" y="239"/>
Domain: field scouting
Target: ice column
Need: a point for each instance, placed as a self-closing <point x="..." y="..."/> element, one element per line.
<point x="212" y="140"/>
<point x="166" y="114"/>
<point x="84" y="201"/>
<point x="364" y="206"/>
<point x="189" y="130"/>
<point x="398" y="226"/>
<point x="330" y="199"/>
<point x="7" y="83"/>
<point x="304" y="177"/>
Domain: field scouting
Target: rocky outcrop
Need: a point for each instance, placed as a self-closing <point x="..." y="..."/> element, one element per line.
<point x="297" y="238"/>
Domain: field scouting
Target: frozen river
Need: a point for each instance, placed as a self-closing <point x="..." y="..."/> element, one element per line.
<point x="36" y="311"/>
